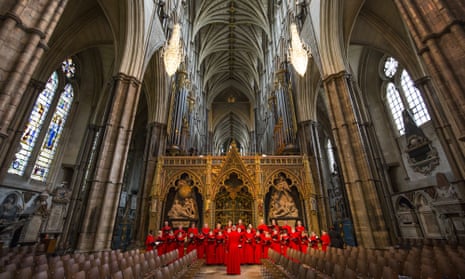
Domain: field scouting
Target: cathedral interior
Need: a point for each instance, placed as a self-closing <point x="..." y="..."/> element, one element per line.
<point x="117" y="116"/>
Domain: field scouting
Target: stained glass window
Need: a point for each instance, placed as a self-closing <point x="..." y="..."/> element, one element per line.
<point x="45" y="128"/>
<point x="34" y="125"/>
<point x="55" y="129"/>
<point x="401" y="93"/>
<point x="68" y="67"/>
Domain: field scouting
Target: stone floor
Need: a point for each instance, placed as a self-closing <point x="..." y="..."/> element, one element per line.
<point x="219" y="272"/>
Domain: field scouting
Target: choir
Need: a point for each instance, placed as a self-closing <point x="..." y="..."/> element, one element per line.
<point x="233" y="245"/>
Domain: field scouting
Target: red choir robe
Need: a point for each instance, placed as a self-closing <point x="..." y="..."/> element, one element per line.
<point x="258" y="248"/>
<point x="314" y="240"/>
<point x="205" y="231"/>
<point x="160" y="242"/>
<point x="233" y="257"/>
<point x="262" y="228"/>
<point x="325" y="241"/>
<point x="192" y="230"/>
<point x="300" y="229"/>
<point x="200" y="246"/>
<point x="219" y="251"/>
<point x="295" y="241"/>
<point x="166" y="230"/>
<point x="284" y="244"/>
<point x="241" y="226"/>
<point x="286" y="228"/>
<point x="149" y="242"/>
<point x="248" y="248"/>
<point x="276" y="242"/>
<point x="180" y="241"/>
<point x="191" y="243"/>
<point x="217" y="230"/>
<point x="267" y="241"/>
<point x="170" y="243"/>
<point x="304" y="244"/>
<point x="210" y="249"/>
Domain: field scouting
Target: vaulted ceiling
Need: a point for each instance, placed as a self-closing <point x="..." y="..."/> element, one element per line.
<point x="231" y="35"/>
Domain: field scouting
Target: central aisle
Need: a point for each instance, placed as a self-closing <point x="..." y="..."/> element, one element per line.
<point x="219" y="272"/>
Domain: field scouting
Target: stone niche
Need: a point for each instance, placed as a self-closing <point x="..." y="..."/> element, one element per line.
<point x="407" y="218"/>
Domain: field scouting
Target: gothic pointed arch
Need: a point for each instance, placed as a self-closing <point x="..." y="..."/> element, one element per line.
<point x="283" y="197"/>
<point x="232" y="171"/>
<point x="183" y="201"/>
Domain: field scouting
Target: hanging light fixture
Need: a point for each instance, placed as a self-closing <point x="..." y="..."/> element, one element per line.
<point x="298" y="53"/>
<point x="172" y="54"/>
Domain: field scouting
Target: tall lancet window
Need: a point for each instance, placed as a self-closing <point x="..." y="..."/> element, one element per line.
<point x="331" y="159"/>
<point x="401" y="94"/>
<point x="39" y="119"/>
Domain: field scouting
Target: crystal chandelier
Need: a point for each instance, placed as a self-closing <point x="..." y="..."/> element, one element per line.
<point x="298" y="53"/>
<point x="172" y="54"/>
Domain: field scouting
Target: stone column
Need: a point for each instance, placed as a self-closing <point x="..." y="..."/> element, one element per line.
<point x="154" y="147"/>
<point x="105" y="187"/>
<point x="359" y="176"/>
<point x="437" y="29"/>
<point x="25" y="31"/>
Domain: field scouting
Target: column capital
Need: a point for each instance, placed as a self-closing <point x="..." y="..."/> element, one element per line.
<point x="338" y="75"/>
<point x="127" y="79"/>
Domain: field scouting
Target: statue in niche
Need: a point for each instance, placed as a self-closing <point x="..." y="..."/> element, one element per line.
<point x="184" y="205"/>
<point x="282" y="203"/>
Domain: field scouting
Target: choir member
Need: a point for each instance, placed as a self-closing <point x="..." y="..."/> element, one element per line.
<point x="274" y="225"/>
<point x="275" y="240"/>
<point x="180" y="241"/>
<point x="205" y="229"/>
<point x="295" y="240"/>
<point x="160" y="243"/>
<point x="240" y="225"/>
<point x="299" y="227"/>
<point x="262" y="227"/>
<point x="170" y="241"/>
<point x="217" y="229"/>
<point x="258" y="247"/>
<point x="314" y="240"/>
<point x="228" y="226"/>
<point x="193" y="229"/>
<point x="325" y="240"/>
<point x="304" y="242"/>
<point x="267" y="242"/>
<point x="286" y="227"/>
<point x="180" y="230"/>
<point x="248" y="247"/>
<point x="200" y="245"/>
<point x="233" y="257"/>
<point x="191" y="241"/>
<point x="284" y="242"/>
<point x="149" y="241"/>
<point x="211" y="247"/>
<point x="250" y="226"/>
<point x="219" y="252"/>
<point x="166" y="229"/>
